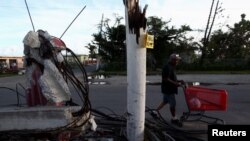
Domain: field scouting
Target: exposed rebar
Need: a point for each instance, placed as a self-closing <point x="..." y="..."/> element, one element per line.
<point x="73" y="21"/>
<point x="29" y="15"/>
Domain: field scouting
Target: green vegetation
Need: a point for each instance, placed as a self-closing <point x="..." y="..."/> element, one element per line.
<point x="219" y="51"/>
<point x="7" y="74"/>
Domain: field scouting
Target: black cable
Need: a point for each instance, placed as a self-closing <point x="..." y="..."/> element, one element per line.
<point x="12" y="90"/>
<point x="108" y="109"/>
<point x="18" y="99"/>
<point x="179" y="134"/>
<point x="17" y="94"/>
<point x="105" y="115"/>
<point x="114" y="122"/>
<point x="84" y="73"/>
<point x="82" y="90"/>
<point x="84" y="85"/>
<point x="21" y="86"/>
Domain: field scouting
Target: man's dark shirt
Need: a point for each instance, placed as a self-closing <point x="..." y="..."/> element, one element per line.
<point x="166" y="86"/>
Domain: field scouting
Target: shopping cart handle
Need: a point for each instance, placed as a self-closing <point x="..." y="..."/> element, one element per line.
<point x="184" y="86"/>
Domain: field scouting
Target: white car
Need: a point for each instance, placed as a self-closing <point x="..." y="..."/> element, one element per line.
<point x="21" y="71"/>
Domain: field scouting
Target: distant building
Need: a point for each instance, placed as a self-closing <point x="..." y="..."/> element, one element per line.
<point x="11" y="63"/>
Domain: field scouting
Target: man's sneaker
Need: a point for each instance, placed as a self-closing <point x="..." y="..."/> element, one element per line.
<point x="154" y="114"/>
<point x="176" y="122"/>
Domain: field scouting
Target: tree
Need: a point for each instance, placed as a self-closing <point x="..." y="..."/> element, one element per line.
<point x="208" y="30"/>
<point x="239" y="43"/>
<point x="231" y="47"/>
<point x="110" y="42"/>
<point x="92" y="50"/>
<point x="168" y="40"/>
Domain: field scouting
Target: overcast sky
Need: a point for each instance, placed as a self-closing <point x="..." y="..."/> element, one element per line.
<point x="54" y="16"/>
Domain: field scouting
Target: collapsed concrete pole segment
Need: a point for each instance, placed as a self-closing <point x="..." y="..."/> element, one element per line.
<point x="136" y="70"/>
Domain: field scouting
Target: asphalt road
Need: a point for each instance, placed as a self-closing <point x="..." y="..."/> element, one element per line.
<point x="109" y="95"/>
<point x="113" y="96"/>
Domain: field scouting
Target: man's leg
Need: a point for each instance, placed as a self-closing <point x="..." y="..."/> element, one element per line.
<point x="172" y="105"/>
<point x="172" y="110"/>
<point x="156" y="112"/>
<point x="162" y="104"/>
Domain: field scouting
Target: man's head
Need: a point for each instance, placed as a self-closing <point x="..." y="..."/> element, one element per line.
<point x="174" y="59"/>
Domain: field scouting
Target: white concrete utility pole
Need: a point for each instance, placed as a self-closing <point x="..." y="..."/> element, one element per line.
<point x="136" y="70"/>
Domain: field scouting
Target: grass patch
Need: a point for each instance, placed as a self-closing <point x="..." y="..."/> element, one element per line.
<point x="7" y="74"/>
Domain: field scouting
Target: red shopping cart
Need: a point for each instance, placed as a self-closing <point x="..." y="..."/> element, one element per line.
<point x="200" y="99"/>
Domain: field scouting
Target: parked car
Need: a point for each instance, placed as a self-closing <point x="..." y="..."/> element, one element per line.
<point x="21" y="71"/>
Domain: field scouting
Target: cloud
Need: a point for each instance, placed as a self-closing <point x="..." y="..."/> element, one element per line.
<point x="55" y="16"/>
<point x="12" y="50"/>
<point x="53" y="19"/>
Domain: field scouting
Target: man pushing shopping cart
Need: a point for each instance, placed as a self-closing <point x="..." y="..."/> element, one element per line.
<point x="198" y="99"/>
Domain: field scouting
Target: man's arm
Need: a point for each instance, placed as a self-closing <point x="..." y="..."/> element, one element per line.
<point x="176" y="83"/>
